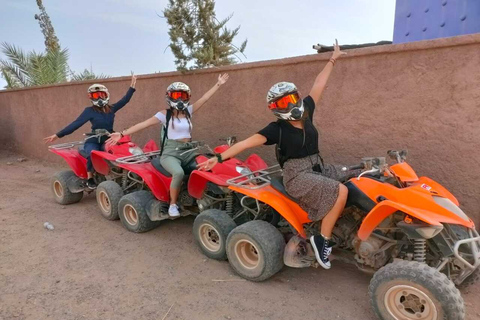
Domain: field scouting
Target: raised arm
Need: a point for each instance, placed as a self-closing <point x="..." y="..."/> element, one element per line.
<point x="254" y="141"/>
<point x="116" y="136"/>
<point x="322" y="78"/>
<point x="122" y="102"/>
<point x="200" y="102"/>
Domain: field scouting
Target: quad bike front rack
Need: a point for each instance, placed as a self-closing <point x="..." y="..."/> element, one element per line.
<point x="66" y="145"/>
<point x="474" y="243"/>
<point x="255" y="179"/>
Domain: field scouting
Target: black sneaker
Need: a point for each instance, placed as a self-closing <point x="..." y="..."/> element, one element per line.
<point x="91" y="184"/>
<point x="322" y="248"/>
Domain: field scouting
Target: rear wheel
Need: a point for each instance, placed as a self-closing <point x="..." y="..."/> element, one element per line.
<point x="133" y="214"/>
<point x="412" y="290"/>
<point x="255" y="250"/>
<point x="59" y="186"/>
<point x="211" y="229"/>
<point x="108" y="196"/>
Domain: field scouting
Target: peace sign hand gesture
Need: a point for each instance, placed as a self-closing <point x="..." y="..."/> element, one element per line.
<point x="134" y="81"/>
<point x="336" y="50"/>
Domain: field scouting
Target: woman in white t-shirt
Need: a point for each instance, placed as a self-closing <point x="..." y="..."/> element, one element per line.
<point x="178" y="132"/>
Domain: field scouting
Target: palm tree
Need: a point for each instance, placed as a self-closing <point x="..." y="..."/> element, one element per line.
<point x="33" y="68"/>
<point x="23" y="69"/>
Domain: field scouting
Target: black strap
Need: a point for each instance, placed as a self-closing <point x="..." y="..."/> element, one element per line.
<point x="165" y="129"/>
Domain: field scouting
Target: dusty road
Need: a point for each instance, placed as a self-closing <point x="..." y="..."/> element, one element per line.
<point x="91" y="268"/>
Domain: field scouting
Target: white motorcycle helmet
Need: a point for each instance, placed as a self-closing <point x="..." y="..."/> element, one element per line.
<point x="178" y="96"/>
<point x="285" y="102"/>
<point x="99" y="95"/>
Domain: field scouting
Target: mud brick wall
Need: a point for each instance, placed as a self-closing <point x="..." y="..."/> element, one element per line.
<point x="421" y="96"/>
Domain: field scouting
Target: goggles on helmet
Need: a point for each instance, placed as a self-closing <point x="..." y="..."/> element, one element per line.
<point x="283" y="102"/>
<point x="98" y="95"/>
<point x="175" y="95"/>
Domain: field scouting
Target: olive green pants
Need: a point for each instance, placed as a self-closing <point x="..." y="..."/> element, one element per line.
<point x="174" y="159"/>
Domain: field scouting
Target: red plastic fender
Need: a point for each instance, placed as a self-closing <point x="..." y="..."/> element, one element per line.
<point x="99" y="163"/>
<point x="150" y="146"/>
<point x="158" y="184"/>
<point x="77" y="163"/>
<point x="198" y="182"/>
<point x="221" y="148"/>
<point x="254" y="162"/>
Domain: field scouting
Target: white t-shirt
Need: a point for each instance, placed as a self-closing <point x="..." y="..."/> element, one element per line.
<point x="177" y="128"/>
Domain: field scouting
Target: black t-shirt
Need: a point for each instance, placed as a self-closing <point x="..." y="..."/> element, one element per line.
<point x="295" y="143"/>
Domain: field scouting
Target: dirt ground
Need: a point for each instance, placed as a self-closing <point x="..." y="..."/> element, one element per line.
<point x="91" y="268"/>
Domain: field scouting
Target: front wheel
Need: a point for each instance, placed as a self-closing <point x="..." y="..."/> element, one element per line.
<point x="211" y="229"/>
<point x="255" y="250"/>
<point x="133" y="214"/>
<point x="59" y="185"/>
<point x="413" y="290"/>
<point x="108" y="195"/>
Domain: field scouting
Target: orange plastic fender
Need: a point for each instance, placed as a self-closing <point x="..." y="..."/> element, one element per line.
<point x="287" y="208"/>
<point x="385" y="208"/>
<point x="404" y="172"/>
<point x="438" y="188"/>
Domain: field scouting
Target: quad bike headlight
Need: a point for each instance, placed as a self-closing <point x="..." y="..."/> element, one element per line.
<point x="243" y="170"/>
<point x="136" y="151"/>
<point x="429" y="232"/>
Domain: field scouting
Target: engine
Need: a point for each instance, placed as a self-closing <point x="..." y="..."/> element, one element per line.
<point x="370" y="252"/>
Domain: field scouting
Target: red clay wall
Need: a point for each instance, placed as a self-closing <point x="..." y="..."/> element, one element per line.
<point x="422" y="96"/>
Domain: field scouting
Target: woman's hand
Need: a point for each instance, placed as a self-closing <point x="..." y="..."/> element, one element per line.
<point x="134" y="81"/>
<point x="114" y="138"/>
<point x="336" y="51"/>
<point x="207" y="165"/>
<point x="222" y="78"/>
<point x="51" y="138"/>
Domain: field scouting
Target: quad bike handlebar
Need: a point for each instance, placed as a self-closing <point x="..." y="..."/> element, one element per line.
<point x="148" y="156"/>
<point x="89" y="135"/>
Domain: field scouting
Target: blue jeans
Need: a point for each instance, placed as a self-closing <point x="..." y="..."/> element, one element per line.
<point x="89" y="146"/>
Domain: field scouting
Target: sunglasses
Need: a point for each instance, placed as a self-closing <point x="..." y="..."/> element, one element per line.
<point x="98" y="95"/>
<point x="175" y="95"/>
<point x="283" y="102"/>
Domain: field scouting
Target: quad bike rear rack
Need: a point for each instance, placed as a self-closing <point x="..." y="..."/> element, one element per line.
<point x="474" y="242"/>
<point x="139" y="158"/>
<point x="255" y="179"/>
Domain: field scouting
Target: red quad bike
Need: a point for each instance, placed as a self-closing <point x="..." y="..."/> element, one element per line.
<point x="407" y="231"/>
<point x="68" y="186"/>
<point x="143" y="210"/>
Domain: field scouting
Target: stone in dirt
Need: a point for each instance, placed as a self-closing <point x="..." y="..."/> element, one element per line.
<point x="22" y="159"/>
<point x="9" y="163"/>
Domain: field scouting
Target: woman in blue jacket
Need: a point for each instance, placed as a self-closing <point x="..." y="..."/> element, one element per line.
<point x="101" y="115"/>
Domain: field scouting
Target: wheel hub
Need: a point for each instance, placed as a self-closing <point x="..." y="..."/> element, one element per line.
<point x="247" y="254"/>
<point x="210" y="237"/>
<point x="130" y="215"/>
<point x="104" y="202"/>
<point x="58" y="189"/>
<point x="407" y="302"/>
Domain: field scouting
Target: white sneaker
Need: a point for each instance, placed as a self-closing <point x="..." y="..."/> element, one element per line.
<point x="173" y="211"/>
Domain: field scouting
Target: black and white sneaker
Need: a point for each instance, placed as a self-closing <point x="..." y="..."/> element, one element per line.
<point x="91" y="184"/>
<point x="322" y="248"/>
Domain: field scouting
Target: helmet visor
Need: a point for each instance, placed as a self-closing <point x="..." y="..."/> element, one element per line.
<point x="175" y="95"/>
<point x="98" y="95"/>
<point x="283" y="102"/>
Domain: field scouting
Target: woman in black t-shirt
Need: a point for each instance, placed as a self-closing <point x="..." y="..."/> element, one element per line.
<point x="314" y="184"/>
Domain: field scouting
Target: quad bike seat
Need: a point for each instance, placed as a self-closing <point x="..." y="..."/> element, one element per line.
<point x="277" y="184"/>
<point x="82" y="151"/>
<point x="188" y="168"/>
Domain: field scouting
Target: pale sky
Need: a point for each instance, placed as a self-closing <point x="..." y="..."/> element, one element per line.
<point x="117" y="36"/>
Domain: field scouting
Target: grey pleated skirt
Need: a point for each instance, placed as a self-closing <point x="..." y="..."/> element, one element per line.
<point x="316" y="192"/>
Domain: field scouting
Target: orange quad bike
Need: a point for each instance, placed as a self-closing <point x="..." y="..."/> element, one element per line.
<point x="409" y="232"/>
